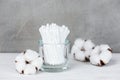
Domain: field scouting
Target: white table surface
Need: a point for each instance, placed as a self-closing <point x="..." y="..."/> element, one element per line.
<point x="78" y="70"/>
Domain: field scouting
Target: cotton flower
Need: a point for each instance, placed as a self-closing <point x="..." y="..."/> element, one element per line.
<point x="28" y="62"/>
<point x="101" y="55"/>
<point x="81" y="49"/>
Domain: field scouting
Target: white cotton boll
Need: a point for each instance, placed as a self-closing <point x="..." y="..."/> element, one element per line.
<point x="83" y="46"/>
<point x="79" y="55"/>
<point x="20" y="58"/>
<point x="29" y="69"/>
<point x="37" y="63"/>
<point x="104" y="47"/>
<point x="74" y="49"/>
<point x="79" y="43"/>
<point x="88" y="45"/>
<point x="102" y="53"/>
<point x="106" y="56"/>
<point x="95" y="51"/>
<point x="28" y="62"/>
<point x="94" y="56"/>
<point x="87" y="54"/>
<point x="30" y="55"/>
<point x="20" y="63"/>
<point x="95" y="60"/>
<point x="20" y="66"/>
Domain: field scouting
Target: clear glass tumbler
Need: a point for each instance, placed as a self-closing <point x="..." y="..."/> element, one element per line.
<point x="55" y="56"/>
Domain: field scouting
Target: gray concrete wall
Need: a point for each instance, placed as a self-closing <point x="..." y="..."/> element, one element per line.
<point x="98" y="20"/>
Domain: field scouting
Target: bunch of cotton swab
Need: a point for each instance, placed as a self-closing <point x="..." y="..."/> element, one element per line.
<point x="53" y="37"/>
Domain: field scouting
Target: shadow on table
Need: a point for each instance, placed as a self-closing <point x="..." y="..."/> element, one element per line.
<point x="76" y="64"/>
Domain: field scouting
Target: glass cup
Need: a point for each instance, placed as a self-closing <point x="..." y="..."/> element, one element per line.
<point x="55" y="56"/>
